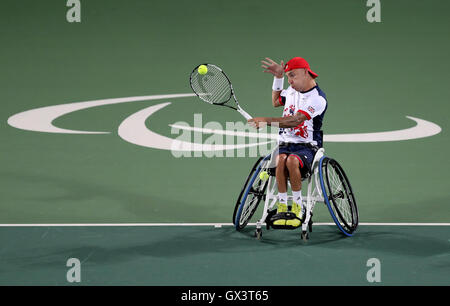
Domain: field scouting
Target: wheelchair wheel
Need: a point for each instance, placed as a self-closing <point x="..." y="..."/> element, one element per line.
<point x="251" y="194"/>
<point x="338" y="195"/>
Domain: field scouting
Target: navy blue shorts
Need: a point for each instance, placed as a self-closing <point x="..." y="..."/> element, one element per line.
<point x="304" y="155"/>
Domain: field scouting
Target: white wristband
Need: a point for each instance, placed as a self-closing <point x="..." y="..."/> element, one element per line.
<point x="278" y="84"/>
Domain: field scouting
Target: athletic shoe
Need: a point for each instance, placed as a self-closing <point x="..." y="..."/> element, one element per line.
<point x="281" y="207"/>
<point x="298" y="211"/>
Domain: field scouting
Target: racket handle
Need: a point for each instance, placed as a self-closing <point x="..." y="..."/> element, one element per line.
<point x="244" y="113"/>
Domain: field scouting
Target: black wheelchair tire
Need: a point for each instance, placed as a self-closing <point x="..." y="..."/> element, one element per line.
<point x="346" y="222"/>
<point x="247" y="193"/>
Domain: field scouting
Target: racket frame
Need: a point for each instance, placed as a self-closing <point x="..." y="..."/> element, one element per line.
<point x="237" y="108"/>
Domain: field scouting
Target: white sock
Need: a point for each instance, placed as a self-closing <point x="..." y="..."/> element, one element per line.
<point x="297" y="197"/>
<point x="282" y="197"/>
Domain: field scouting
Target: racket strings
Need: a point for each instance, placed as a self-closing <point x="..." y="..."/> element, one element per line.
<point x="212" y="87"/>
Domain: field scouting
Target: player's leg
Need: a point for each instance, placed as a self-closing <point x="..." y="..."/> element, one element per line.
<point x="298" y="164"/>
<point x="281" y="175"/>
<point x="293" y="164"/>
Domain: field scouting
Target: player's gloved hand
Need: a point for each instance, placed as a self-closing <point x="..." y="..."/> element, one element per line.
<point x="270" y="66"/>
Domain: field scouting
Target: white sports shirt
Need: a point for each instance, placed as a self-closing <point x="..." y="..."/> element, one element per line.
<point x="313" y="105"/>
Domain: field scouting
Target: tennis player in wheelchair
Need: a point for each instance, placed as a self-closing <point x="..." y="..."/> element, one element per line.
<point x="304" y="106"/>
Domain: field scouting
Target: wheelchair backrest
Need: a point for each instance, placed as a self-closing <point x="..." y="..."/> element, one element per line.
<point x="319" y="154"/>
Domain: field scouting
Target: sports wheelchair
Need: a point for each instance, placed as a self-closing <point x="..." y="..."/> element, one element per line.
<point x="326" y="182"/>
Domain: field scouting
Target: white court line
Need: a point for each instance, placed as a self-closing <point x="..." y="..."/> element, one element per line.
<point x="194" y="224"/>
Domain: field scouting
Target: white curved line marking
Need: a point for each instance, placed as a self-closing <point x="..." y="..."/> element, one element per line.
<point x="422" y="129"/>
<point x="134" y="130"/>
<point x="226" y="132"/>
<point x="40" y="119"/>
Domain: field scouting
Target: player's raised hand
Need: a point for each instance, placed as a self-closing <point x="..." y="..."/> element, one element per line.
<point x="270" y="66"/>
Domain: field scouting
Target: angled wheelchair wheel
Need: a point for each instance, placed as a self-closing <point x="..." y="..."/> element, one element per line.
<point x="338" y="195"/>
<point x="251" y="194"/>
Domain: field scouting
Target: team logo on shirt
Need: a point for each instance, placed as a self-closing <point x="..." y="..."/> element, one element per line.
<point x="301" y="130"/>
<point x="291" y="111"/>
<point x="311" y="109"/>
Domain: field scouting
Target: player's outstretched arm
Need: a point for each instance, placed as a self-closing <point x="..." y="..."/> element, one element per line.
<point x="283" y="122"/>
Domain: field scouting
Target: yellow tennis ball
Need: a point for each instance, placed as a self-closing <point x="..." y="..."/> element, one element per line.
<point x="264" y="175"/>
<point x="202" y="69"/>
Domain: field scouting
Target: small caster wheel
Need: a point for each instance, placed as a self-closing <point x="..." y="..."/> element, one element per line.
<point x="258" y="234"/>
<point x="305" y="235"/>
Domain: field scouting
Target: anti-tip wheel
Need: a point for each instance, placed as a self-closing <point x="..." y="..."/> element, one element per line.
<point x="305" y="235"/>
<point x="258" y="234"/>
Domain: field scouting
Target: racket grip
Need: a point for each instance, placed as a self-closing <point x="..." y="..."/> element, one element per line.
<point x="244" y="113"/>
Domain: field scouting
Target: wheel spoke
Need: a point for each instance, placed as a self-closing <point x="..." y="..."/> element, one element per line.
<point x="340" y="195"/>
<point x="254" y="195"/>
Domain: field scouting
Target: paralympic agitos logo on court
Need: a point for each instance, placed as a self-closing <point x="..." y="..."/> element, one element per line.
<point x="234" y="139"/>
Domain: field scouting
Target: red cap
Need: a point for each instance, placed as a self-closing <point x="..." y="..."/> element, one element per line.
<point x="298" y="62"/>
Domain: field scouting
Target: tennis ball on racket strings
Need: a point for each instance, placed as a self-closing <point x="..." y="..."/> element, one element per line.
<point x="202" y="69"/>
<point x="264" y="175"/>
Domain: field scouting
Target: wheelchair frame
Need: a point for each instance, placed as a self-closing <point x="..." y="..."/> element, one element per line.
<point x="315" y="193"/>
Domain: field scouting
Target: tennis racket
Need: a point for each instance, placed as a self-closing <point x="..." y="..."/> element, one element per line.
<point x="214" y="87"/>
